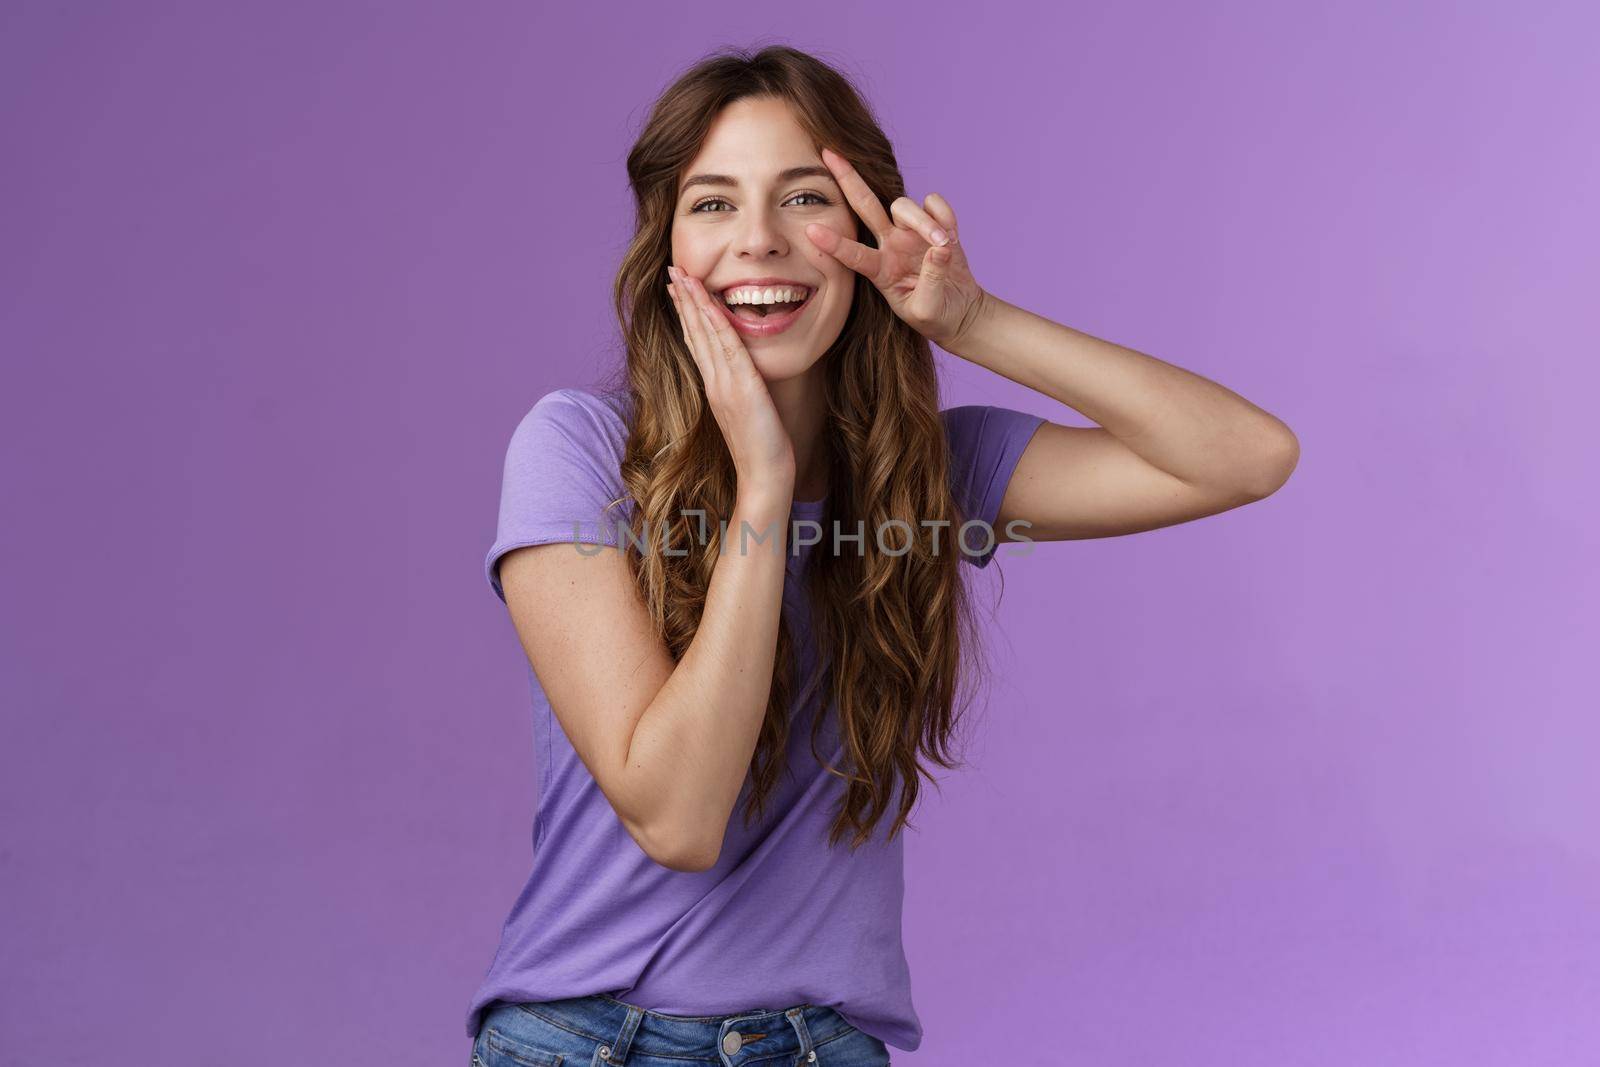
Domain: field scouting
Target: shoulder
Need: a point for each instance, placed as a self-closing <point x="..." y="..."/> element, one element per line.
<point x="569" y="446"/>
<point x="987" y="436"/>
<point x="574" y="421"/>
<point x="577" y="408"/>
<point x="969" y="423"/>
<point x="986" y="442"/>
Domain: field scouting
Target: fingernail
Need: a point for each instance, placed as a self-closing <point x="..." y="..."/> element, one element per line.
<point x="939" y="236"/>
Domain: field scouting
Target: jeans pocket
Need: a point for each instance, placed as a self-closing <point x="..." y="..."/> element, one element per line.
<point x="851" y="1048"/>
<point x="502" y="1050"/>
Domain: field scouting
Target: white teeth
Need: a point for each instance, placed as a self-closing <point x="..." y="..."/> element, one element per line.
<point x="780" y="294"/>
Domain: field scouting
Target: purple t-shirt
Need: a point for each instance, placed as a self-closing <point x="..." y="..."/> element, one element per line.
<point x="781" y="919"/>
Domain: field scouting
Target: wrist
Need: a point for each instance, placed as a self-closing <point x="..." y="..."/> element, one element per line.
<point x="760" y="522"/>
<point x="979" y="314"/>
<point x="771" y="500"/>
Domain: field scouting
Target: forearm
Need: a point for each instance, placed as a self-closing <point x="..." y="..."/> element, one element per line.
<point x="692" y="747"/>
<point x="1178" y="421"/>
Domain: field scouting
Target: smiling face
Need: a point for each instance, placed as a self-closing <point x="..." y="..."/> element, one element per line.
<point x="724" y="233"/>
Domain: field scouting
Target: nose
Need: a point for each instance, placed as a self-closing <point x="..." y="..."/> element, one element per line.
<point x="760" y="235"/>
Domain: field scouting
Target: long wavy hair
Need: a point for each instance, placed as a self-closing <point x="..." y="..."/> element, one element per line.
<point x="896" y="638"/>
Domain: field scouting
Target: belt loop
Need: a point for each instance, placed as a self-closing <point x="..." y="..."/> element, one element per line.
<point x="797" y="1016"/>
<point x="618" y="1052"/>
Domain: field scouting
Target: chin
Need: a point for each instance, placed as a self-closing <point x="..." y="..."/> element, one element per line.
<point x="780" y="362"/>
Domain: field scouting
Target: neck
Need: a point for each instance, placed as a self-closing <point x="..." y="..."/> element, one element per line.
<point x="802" y="406"/>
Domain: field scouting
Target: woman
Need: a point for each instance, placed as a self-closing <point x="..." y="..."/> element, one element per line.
<point x="778" y="300"/>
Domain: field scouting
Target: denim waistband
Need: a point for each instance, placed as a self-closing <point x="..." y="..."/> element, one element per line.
<point x="763" y="1032"/>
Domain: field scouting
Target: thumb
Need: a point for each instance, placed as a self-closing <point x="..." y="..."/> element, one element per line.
<point x="935" y="268"/>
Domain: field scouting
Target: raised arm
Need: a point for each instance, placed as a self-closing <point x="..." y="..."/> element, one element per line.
<point x="1170" y="446"/>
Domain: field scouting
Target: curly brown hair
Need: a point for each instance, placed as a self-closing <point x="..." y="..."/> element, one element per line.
<point x="895" y="634"/>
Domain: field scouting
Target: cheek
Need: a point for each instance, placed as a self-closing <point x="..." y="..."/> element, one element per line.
<point x="689" y="253"/>
<point x="841" y="223"/>
<point x="843" y="297"/>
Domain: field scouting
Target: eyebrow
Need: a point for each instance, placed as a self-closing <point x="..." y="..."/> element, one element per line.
<point x="808" y="171"/>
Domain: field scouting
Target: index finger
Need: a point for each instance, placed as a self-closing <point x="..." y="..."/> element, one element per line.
<point x="860" y="194"/>
<point x="853" y="254"/>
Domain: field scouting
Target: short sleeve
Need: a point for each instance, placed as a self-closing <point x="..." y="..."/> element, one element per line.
<point x="561" y="478"/>
<point x="985" y="444"/>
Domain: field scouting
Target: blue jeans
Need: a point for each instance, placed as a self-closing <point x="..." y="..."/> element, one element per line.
<point x="599" y="1031"/>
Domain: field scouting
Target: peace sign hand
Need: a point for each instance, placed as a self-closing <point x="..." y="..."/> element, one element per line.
<point x="919" y="266"/>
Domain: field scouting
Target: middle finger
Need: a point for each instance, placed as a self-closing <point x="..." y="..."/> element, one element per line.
<point x="910" y="214"/>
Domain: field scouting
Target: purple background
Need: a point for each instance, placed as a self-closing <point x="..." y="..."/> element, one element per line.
<point x="1310" y="782"/>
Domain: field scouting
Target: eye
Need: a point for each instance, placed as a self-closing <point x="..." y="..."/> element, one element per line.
<point x="818" y="197"/>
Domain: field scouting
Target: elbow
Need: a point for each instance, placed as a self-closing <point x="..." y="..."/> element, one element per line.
<point x="690" y="856"/>
<point x="662" y="831"/>
<point x="676" y="848"/>
<point x="1277" y="460"/>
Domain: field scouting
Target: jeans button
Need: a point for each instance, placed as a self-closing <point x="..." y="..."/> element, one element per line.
<point x="731" y="1042"/>
<point x="605" y="1052"/>
<point x="811" y="1057"/>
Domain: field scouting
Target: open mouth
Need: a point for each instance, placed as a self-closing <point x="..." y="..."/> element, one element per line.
<point x="758" y="312"/>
